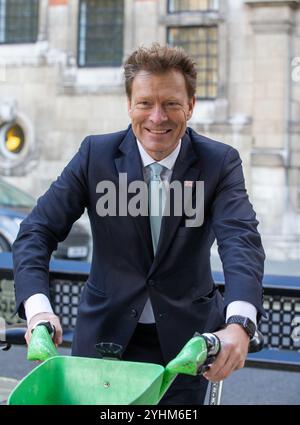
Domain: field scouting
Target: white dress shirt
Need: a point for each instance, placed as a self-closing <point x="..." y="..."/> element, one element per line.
<point x="39" y="303"/>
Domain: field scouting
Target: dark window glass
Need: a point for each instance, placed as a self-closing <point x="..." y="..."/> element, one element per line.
<point x="100" y="33"/>
<point x="201" y="43"/>
<point x="19" y="21"/>
<point x="11" y="196"/>
<point x="192" y="5"/>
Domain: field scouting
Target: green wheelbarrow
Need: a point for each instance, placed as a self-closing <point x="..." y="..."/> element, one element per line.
<point x="67" y="380"/>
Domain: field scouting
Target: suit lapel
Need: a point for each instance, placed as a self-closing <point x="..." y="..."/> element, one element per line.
<point x="129" y="161"/>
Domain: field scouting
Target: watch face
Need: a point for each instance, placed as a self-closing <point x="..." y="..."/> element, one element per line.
<point x="245" y="322"/>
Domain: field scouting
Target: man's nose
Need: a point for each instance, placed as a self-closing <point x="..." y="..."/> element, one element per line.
<point x="158" y="115"/>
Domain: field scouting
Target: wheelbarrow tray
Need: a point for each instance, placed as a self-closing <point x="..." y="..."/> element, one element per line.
<point x="65" y="380"/>
<point x="81" y="380"/>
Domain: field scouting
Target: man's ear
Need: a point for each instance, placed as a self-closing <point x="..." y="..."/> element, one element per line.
<point x="192" y="102"/>
<point x="129" y="108"/>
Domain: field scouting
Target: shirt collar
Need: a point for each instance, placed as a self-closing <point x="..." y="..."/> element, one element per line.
<point x="167" y="162"/>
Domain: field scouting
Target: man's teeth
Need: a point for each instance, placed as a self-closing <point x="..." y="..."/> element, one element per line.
<point x="159" y="131"/>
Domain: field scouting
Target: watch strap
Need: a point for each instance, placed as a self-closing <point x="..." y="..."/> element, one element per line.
<point x="245" y="322"/>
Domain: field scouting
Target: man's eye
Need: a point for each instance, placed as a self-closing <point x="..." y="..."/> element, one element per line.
<point x="143" y="103"/>
<point x="173" y="105"/>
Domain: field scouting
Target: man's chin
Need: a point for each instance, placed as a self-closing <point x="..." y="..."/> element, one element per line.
<point x="157" y="150"/>
<point x="156" y="146"/>
<point x="158" y="139"/>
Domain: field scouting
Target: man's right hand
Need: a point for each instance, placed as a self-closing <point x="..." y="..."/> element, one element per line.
<point x="47" y="317"/>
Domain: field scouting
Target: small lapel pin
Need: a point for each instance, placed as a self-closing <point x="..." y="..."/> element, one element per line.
<point x="188" y="183"/>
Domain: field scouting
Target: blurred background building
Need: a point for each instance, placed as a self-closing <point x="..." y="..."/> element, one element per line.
<point x="61" y="79"/>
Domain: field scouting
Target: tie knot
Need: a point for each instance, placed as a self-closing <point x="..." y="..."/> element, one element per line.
<point x="156" y="170"/>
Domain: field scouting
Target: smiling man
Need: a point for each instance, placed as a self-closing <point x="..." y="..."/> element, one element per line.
<point x="150" y="286"/>
<point x="159" y="107"/>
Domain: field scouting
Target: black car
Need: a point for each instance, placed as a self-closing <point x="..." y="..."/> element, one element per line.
<point x="15" y="205"/>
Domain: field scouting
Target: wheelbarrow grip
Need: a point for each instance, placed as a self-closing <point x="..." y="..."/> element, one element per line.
<point x="213" y="345"/>
<point x="41" y="346"/>
<point x="49" y="326"/>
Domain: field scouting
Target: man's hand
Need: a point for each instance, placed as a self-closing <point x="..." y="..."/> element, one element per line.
<point x="234" y="349"/>
<point x="47" y="317"/>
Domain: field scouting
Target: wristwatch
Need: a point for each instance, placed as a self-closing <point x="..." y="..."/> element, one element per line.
<point x="245" y="322"/>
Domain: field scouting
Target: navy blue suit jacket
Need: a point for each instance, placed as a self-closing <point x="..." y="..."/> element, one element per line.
<point x="124" y="271"/>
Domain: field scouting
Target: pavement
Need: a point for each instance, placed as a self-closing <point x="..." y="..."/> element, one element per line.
<point x="6" y="386"/>
<point x="14" y="366"/>
<point x="244" y="387"/>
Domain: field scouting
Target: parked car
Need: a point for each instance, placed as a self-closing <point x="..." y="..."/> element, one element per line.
<point x="15" y="205"/>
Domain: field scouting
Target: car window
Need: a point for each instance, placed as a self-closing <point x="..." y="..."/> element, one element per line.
<point x="10" y="196"/>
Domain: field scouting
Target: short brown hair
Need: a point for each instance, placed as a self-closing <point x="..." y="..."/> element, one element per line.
<point x="160" y="59"/>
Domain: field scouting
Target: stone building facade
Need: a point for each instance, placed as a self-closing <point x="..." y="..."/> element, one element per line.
<point x="65" y="81"/>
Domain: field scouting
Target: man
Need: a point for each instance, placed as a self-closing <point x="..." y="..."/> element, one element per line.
<point x="150" y="286"/>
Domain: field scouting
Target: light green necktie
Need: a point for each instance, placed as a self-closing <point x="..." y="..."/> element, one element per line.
<point x="157" y="199"/>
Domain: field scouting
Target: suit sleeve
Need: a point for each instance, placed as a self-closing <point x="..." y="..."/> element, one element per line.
<point x="239" y="243"/>
<point x="49" y="223"/>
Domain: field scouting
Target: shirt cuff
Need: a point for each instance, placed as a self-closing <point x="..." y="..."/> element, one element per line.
<point x="242" y="308"/>
<point x="37" y="303"/>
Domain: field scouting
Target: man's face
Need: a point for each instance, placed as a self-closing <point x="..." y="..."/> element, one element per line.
<point x="159" y="108"/>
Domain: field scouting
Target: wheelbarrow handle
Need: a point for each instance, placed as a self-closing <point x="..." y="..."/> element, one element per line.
<point x="48" y="325"/>
<point x="41" y="346"/>
<point x="213" y="345"/>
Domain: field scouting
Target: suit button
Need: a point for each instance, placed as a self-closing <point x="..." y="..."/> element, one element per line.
<point x="151" y="282"/>
<point x="133" y="313"/>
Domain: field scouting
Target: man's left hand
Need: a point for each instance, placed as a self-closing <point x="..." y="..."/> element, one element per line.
<point x="234" y="349"/>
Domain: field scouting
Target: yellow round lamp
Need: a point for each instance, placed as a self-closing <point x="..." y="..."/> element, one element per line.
<point x="13" y="143"/>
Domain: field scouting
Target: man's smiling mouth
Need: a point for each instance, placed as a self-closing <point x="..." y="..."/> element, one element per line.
<point x="158" y="131"/>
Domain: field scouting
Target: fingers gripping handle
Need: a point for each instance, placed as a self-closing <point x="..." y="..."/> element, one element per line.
<point x="214" y="346"/>
<point x="255" y="344"/>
